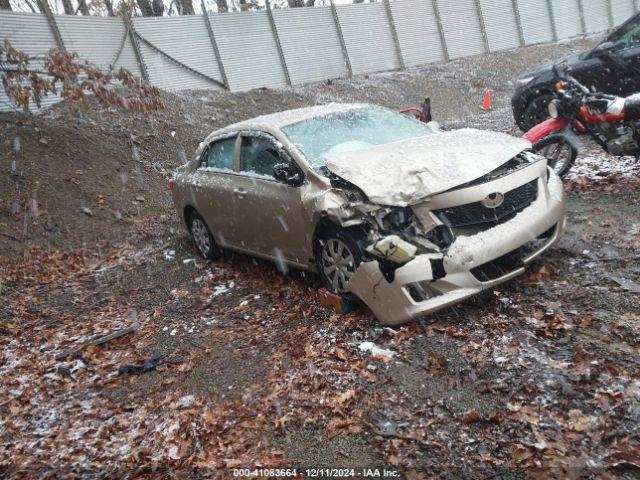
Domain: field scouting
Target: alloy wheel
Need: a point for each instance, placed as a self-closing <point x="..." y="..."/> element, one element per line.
<point x="201" y="236"/>
<point x="338" y="264"/>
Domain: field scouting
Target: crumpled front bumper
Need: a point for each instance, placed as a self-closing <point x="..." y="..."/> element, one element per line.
<point x="464" y="262"/>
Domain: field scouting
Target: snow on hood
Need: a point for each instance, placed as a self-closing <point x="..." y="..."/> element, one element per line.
<point x="402" y="173"/>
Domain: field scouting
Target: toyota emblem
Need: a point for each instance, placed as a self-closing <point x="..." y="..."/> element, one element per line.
<point x="493" y="200"/>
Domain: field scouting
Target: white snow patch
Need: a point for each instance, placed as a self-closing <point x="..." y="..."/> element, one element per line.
<point x="224" y="288"/>
<point x="377" y="351"/>
<point x="599" y="166"/>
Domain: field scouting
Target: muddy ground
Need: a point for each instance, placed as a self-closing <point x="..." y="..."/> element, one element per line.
<point x="539" y="378"/>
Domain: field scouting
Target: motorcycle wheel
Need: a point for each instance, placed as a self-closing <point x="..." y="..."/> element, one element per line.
<point x="558" y="151"/>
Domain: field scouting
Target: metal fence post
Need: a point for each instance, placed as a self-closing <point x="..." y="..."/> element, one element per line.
<point x="583" y="20"/>
<point x="214" y="44"/>
<point x="610" y="14"/>
<point x="516" y="12"/>
<point x="483" y="28"/>
<point x="343" y="44"/>
<point x="46" y="9"/>
<point x="552" y="19"/>
<point x="394" y="33"/>
<point x="128" y="24"/>
<point x="443" y="40"/>
<point x="276" y="37"/>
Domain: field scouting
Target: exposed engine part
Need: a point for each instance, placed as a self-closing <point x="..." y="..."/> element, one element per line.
<point x="394" y="249"/>
<point x="441" y="236"/>
<point x="624" y="141"/>
<point x="397" y="218"/>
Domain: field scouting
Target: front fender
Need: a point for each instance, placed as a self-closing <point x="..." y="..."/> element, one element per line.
<point x="545" y="128"/>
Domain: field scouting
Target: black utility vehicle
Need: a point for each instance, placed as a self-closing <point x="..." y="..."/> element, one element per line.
<point x="612" y="67"/>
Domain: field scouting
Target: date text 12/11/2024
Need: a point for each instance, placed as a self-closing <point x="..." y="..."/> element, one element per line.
<point x="316" y="472"/>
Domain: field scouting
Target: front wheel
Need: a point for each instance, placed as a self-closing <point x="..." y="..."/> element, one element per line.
<point x="338" y="256"/>
<point x="559" y="152"/>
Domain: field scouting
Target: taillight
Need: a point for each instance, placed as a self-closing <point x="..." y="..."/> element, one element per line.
<point x="171" y="184"/>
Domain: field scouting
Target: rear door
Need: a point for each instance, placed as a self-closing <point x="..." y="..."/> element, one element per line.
<point x="272" y="217"/>
<point x="213" y="189"/>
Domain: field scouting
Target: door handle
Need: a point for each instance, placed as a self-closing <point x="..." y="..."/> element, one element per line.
<point x="239" y="192"/>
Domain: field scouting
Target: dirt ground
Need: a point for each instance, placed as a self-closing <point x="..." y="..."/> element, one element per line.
<point x="537" y="379"/>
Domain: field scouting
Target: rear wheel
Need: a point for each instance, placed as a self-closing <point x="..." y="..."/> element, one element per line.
<point x="202" y="238"/>
<point x="536" y="112"/>
<point x="338" y="256"/>
<point x="558" y="151"/>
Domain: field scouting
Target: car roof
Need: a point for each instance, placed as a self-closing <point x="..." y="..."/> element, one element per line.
<point x="281" y="119"/>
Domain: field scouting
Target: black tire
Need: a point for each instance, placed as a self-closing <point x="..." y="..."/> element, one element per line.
<point x="326" y="243"/>
<point x="202" y="238"/>
<point x="551" y="147"/>
<point x="536" y="111"/>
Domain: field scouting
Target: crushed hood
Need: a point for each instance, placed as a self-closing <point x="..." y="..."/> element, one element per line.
<point x="402" y="173"/>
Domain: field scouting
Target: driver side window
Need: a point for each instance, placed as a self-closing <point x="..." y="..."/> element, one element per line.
<point x="258" y="156"/>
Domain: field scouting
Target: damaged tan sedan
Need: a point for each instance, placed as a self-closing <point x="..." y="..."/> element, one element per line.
<point x="407" y="218"/>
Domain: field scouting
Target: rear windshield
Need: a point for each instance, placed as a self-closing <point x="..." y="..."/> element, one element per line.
<point x="348" y="130"/>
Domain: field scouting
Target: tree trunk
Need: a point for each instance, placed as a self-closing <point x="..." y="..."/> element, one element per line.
<point x="68" y="7"/>
<point x="145" y="8"/>
<point x="222" y="6"/>
<point x="158" y="8"/>
<point x="295" y="3"/>
<point x="187" y="7"/>
<point x="82" y="6"/>
<point x="109" y="5"/>
<point x="5" y="5"/>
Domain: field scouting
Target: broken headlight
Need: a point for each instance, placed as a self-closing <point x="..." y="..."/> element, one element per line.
<point x="398" y="218"/>
<point x="441" y="235"/>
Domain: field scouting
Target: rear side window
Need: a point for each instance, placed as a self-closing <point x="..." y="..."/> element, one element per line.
<point x="220" y="154"/>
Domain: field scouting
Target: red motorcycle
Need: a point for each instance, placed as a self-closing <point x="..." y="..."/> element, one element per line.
<point x="613" y="122"/>
<point x="422" y="113"/>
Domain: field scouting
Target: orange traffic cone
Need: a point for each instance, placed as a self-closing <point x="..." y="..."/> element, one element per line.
<point x="486" y="104"/>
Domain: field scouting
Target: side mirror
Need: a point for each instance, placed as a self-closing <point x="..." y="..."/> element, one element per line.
<point x="287" y="173"/>
<point x="605" y="49"/>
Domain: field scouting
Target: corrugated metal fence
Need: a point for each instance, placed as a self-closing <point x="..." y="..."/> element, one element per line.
<point x="281" y="47"/>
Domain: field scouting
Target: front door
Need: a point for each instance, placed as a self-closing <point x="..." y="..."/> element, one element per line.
<point x="273" y="220"/>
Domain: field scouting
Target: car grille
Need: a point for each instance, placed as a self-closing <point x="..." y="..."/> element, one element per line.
<point x="511" y="261"/>
<point x="476" y="213"/>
